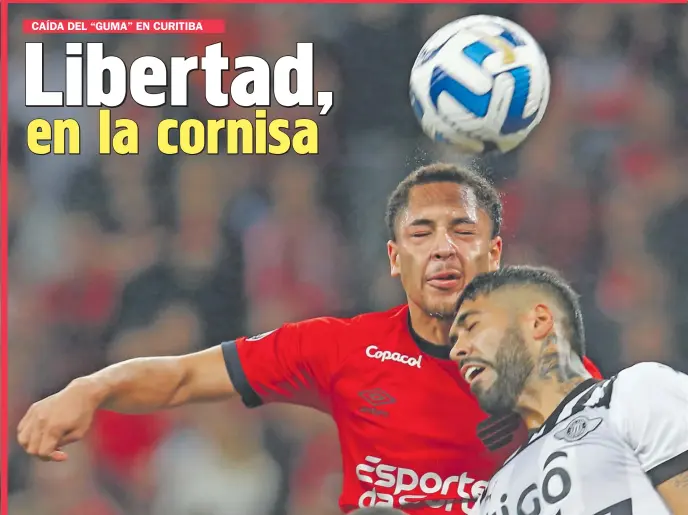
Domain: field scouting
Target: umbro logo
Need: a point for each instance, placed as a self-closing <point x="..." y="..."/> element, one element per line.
<point x="578" y="428"/>
<point x="376" y="397"/>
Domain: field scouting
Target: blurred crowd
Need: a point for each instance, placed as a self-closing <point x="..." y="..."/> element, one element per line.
<point x="114" y="257"/>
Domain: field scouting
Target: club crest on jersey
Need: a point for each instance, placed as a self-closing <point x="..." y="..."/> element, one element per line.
<point x="260" y="336"/>
<point x="578" y="428"/>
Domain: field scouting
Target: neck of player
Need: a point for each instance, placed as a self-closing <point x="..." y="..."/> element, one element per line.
<point x="433" y="329"/>
<point x="548" y="386"/>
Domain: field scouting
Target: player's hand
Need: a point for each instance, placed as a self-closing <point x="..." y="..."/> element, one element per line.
<point x="57" y="421"/>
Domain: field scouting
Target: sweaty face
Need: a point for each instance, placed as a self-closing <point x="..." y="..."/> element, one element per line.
<point x="443" y="241"/>
<point x="493" y="356"/>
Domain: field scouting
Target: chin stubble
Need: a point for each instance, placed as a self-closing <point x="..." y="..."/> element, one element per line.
<point x="513" y="366"/>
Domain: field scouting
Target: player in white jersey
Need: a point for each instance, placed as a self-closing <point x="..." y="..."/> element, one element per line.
<point x="596" y="447"/>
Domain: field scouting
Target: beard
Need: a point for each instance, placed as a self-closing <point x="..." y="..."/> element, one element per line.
<point x="512" y="365"/>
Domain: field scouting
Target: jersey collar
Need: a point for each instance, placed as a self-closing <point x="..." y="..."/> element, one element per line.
<point x="436" y="351"/>
<point x="553" y="419"/>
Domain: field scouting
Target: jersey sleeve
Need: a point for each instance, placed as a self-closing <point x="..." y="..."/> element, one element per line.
<point x="293" y="364"/>
<point x="649" y="405"/>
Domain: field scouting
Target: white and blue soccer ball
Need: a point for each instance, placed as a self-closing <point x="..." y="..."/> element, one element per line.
<point x="480" y="83"/>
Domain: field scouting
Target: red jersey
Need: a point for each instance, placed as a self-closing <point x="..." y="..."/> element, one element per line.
<point x="406" y="419"/>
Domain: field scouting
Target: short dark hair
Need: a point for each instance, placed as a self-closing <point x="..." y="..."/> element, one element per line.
<point x="378" y="510"/>
<point x="545" y="278"/>
<point x="485" y="192"/>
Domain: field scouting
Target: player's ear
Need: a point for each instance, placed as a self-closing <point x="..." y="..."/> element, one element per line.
<point x="542" y="322"/>
<point x="393" y="253"/>
<point x="495" y="255"/>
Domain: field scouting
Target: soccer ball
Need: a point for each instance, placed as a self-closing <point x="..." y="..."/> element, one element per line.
<point x="480" y="83"/>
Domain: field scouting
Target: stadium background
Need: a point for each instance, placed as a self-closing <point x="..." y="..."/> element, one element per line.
<point x="116" y="257"/>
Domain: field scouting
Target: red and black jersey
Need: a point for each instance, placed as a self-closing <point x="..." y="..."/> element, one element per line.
<point x="408" y="424"/>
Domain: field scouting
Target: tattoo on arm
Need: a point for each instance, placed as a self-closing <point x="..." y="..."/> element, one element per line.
<point x="680" y="481"/>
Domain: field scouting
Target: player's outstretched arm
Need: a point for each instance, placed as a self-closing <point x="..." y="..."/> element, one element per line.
<point x="675" y="493"/>
<point x="136" y="386"/>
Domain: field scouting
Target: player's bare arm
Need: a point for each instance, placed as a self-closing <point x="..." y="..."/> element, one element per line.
<point x="136" y="386"/>
<point x="309" y="363"/>
<point x="675" y="493"/>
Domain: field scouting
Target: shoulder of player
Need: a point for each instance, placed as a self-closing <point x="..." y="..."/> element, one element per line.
<point x="643" y="376"/>
<point x="645" y="404"/>
<point x="641" y="383"/>
<point x="368" y="323"/>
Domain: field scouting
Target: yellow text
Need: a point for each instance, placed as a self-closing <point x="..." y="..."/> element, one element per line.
<point x="61" y="137"/>
<point x="241" y="136"/>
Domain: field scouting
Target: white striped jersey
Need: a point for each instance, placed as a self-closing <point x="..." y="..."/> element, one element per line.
<point x="603" y="451"/>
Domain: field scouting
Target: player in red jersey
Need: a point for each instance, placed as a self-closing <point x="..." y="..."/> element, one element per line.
<point x="407" y="422"/>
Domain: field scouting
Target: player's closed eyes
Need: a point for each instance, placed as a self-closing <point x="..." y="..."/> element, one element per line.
<point x="424" y="234"/>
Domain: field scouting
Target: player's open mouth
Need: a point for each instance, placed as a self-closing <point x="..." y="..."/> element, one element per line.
<point x="471" y="372"/>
